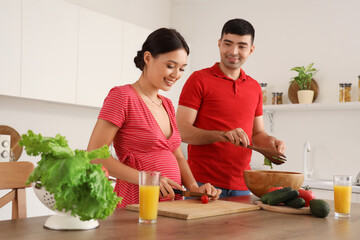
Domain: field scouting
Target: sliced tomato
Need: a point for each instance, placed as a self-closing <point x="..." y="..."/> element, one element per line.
<point x="307" y="195"/>
<point x="106" y="171"/>
<point x="204" y="199"/>
<point x="274" y="188"/>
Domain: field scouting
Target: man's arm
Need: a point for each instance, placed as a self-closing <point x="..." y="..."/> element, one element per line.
<point x="185" y="118"/>
<point x="261" y="139"/>
<point x="190" y="134"/>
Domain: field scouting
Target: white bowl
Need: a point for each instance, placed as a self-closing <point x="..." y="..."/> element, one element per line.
<point x="61" y="220"/>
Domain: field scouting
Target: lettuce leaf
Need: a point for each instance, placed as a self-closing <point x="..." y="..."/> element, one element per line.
<point x="78" y="186"/>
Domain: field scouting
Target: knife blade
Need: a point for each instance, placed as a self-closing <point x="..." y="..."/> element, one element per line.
<point x="190" y="194"/>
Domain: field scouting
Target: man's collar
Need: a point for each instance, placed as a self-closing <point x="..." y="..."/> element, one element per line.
<point x="217" y="72"/>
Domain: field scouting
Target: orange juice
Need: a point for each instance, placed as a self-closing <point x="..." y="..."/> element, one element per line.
<point x="342" y="199"/>
<point x="149" y="199"/>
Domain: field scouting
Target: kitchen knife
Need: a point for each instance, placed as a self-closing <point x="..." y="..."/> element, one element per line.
<point x="190" y="194"/>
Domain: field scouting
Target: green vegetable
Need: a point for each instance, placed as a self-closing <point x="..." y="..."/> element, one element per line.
<point x="295" y="203"/>
<point x="267" y="162"/>
<point x="78" y="186"/>
<point x="319" y="208"/>
<point x="282" y="197"/>
<point x="266" y="196"/>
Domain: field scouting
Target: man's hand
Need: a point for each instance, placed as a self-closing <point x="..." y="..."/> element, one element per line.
<point x="237" y="136"/>
<point x="277" y="144"/>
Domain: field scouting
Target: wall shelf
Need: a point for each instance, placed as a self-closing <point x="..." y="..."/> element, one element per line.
<point x="313" y="106"/>
<point x="271" y="109"/>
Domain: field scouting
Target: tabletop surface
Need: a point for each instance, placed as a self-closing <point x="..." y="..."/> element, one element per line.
<point x="260" y="224"/>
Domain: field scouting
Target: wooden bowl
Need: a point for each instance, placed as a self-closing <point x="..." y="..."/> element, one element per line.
<point x="260" y="181"/>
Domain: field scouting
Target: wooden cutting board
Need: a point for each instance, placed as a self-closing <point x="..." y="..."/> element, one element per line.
<point x="283" y="209"/>
<point x="193" y="208"/>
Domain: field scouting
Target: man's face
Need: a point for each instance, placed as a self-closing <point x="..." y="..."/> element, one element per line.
<point x="235" y="49"/>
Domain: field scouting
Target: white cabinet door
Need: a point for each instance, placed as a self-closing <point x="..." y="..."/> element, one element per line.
<point x="49" y="50"/>
<point x="134" y="37"/>
<point x="100" y="56"/>
<point x="10" y="47"/>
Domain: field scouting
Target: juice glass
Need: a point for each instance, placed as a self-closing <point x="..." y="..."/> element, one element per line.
<point x="342" y="195"/>
<point x="149" y="196"/>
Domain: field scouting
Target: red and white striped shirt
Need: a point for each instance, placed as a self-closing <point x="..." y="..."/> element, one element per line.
<point x="140" y="142"/>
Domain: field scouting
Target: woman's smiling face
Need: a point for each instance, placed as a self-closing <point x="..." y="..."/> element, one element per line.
<point x="165" y="69"/>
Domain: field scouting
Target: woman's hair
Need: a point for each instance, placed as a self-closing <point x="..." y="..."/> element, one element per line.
<point x="162" y="40"/>
<point x="240" y="27"/>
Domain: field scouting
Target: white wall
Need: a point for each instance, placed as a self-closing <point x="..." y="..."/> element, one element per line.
<point x="288" y="34"/>
<point x="151" y="14"/>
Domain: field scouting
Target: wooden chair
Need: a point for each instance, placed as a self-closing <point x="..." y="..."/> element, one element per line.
<point x="13" y="175"/>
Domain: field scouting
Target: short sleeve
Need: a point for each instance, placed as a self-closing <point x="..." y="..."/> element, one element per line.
<point x="114" y="107"/>
<point x="259" y="107"/>
<point x="192" y="92"/>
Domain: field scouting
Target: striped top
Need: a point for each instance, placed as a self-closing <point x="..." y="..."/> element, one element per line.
<point x="140" y="142"/>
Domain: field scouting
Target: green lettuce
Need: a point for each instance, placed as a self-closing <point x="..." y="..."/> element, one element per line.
<point x="78" y="186"/>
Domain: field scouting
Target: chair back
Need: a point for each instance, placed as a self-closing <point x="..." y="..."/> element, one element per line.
<point x="13" y="176"/>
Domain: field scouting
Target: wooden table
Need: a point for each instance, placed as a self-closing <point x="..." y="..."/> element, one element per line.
<point x="252" y="225"/>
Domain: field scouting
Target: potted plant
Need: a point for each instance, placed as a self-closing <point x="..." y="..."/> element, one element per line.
<point x="303" y="80"/>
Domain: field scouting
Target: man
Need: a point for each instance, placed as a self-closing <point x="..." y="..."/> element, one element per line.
<point x="220" y="108"/>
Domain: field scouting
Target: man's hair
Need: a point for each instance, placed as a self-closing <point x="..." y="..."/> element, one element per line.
<point x="240" y="27"/>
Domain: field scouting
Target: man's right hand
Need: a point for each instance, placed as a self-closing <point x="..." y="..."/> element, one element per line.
<point x="236" y="136"/>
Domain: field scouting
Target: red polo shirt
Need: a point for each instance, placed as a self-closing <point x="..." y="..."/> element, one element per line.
<point x="222" y="104"/>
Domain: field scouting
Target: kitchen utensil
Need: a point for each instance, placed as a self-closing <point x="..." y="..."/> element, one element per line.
<point x="260" y="181"/>
<point x="294" y="88"/>
<point x="193" y="208"/>
<point x="283" y="209"/>
<point x="15" y="149"/>
<point x="190" y="194"/>
<point x="273" y="155"/>
<point x="61" y="220"/>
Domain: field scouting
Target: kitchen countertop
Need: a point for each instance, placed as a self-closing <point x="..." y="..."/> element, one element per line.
<point x="258" y="224"/>
<point x="326" y="185"/>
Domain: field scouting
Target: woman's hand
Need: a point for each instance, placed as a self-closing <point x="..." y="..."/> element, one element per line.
<point x="208" y="189"/>
<point x="166" y="186"/>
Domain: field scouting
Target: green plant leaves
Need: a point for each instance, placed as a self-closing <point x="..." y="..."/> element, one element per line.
<point x="78" y="186"/>
<point x="304" y="77"/>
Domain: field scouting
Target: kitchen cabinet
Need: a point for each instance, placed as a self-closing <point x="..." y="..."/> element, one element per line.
<point x="100" y="56"/>
<point x="49" y="50"/>
<point x="10" y="47"/>
<point x="134" y="37"/>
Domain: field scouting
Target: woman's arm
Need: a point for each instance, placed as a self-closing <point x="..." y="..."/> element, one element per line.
<point x="103" y="134"/>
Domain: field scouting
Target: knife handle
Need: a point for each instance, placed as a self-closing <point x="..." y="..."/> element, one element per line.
<point x="177" y="191"/>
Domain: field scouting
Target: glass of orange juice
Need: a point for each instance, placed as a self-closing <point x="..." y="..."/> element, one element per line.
<point x="342" y="195"/>
<point x="149" y="196"/>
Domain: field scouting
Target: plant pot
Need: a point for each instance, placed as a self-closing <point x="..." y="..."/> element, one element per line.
<point x="305" y="96"/>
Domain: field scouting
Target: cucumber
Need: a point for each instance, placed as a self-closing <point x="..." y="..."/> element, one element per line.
<point x="319" y="208"/>
<point x="282" y="197"/>
<point x="266" y="196"/>
<point x="295" y="203"/>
